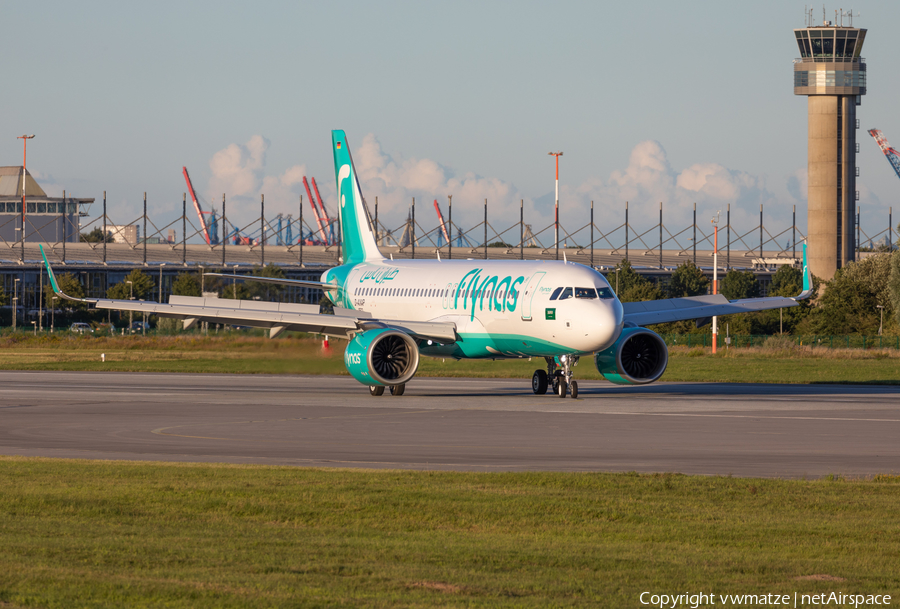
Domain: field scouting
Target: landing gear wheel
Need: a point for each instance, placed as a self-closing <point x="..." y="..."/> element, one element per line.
<point x="398" y="389"/>
<point x="563" y="387"/>
<point x="376" y="390"/>
<point x="539" y="382"/>
<point x="573" y="387"/>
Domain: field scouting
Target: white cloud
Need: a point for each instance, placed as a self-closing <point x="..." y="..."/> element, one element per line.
<point x="239" y="171"/>
<point x="647" y="178"/>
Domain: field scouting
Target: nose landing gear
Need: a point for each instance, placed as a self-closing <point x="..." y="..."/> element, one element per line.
<point x="558" y="377"/>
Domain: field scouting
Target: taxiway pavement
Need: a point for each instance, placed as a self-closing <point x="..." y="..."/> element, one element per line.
<point x="453" y="423"/>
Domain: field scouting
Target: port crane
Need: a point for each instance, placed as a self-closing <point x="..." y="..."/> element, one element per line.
<point x="892" y="155"/>
<point x="210" y="236"/>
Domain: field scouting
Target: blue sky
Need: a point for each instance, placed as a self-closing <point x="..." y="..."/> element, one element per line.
<point x="679" y="102"/>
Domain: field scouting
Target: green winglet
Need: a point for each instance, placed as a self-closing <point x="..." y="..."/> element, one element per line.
<point x="53" y="283"/>
<point x="807" y="279"/>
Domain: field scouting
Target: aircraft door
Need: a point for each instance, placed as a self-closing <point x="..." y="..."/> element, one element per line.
<point x="528" y="294"/>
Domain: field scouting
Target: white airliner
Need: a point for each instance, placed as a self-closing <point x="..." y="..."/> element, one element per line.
<point x="393" y="311"/>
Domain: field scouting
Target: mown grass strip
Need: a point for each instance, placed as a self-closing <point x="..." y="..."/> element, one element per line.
<point x="256" y="355"/>
<point x="100" y="534"/>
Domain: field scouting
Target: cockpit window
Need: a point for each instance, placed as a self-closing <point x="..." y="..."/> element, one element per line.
<point x="605" y="293"/>
<point x="555" y="293"/>
<point x="566" y="293"/>
<point x="585" y="293"/>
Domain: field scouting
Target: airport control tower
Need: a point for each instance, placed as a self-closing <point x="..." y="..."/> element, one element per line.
<point x="831" y="73"/>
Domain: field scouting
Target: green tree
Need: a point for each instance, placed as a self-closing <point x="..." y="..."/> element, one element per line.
<point x="849" y="302"/>
<point x="70" y="286"/>
<point x="266" y="291"/>
<point x="186" y="284"/>
<point x="95" y="236"/>
<point x="739" y="284"/>
<point x="687" y="280"/>
<point x="630" y="286"/>
<point x="142" y="286"/>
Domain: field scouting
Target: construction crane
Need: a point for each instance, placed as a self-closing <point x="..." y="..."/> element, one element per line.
<point x="440" y="216"/>
<point x="211" y="237"/>
<point x="315" y="209"/>
<point x="328" y="221"/>
<point x="892" y="155"/>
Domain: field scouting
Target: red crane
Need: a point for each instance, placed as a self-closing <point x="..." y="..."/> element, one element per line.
<point x="328" y="221"/>
<point x="315" y="209"/>
<point x="892" y="155"/>
<point x="200" y="212"/>
<point x="441" y="220"/>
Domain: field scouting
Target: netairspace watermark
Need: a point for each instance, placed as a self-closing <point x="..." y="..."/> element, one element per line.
<point x="796" y="600"/>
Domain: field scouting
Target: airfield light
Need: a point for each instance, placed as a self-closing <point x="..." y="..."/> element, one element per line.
<point x="556" y="209"/>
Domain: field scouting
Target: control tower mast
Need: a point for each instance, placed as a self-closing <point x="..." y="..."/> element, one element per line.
<point x="831" y="73"/>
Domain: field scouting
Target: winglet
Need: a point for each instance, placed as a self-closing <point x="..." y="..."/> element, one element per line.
<point x="807" y="279"/>
<point x="49" y="270"/>
<point x="53" y="282"/>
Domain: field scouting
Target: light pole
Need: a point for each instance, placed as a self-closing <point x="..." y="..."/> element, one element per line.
<point x="53" y="313"/>
<point x="715" y="321"/>
<point x="24" y="139"/>
<point x="161" y="264"/>
<point x="881" y="324"/>
<point x="234" y="283"/>
<point x="556" y="208"/>
<point x="34" y="327"/>
<point x="130" y="297"/>
<point x="15" y="301"/>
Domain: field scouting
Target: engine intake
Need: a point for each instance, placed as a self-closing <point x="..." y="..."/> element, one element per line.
<point x="638" y="357"/>
<point x="382" y="357"/>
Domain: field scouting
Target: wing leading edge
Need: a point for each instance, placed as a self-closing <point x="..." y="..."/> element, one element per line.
<point x="275" y="316"/>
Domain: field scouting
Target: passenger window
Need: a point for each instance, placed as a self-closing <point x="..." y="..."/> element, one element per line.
<point x="585" y="293"/>
<point x="605" y="293"/>
<point x="566" y="293"/>
<point x="555" y="293"/>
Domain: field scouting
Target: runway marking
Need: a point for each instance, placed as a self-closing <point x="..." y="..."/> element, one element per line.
<point x="161" y="431"/>
<point x="736" y="416"/>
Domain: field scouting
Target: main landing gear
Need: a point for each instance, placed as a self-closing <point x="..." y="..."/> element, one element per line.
<point x="558" y="376"/>
<point x="377" y="390"/>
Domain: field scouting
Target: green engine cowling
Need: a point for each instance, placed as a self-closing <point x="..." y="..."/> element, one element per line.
<point x="638" y="357"/>
<point x="382" y="357"/>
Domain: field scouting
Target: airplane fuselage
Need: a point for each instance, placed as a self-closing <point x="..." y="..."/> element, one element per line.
<point x="501" y="309"/>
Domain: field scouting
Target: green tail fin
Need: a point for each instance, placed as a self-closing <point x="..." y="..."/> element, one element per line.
<point x="358" y="242"/>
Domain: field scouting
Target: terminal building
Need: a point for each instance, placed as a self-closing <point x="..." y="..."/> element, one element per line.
<point x="832" y="75"/>
<point x="46" y="219"/>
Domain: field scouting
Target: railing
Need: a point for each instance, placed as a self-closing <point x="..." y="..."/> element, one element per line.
<point x="845" y="341"/>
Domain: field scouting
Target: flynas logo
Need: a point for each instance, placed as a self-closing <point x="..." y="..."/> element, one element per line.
<point x="379" y="275"/>
<point x="492" y="292"/>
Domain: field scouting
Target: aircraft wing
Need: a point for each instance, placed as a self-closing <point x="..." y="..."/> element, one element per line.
<point x="713" y="305"/>
<point x="275" y="316"/>
<point x="697" y="307"/>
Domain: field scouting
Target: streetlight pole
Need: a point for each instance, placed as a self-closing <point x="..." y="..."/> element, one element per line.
<point x="715" y="320"/>
<point x="161" y="264"/>
<point x="24" y="139"/>
<point x="556" y="208"/>
<point x="881" y="323"/>
<point x="15" y="301"/>
<point x="53" y="313"/>
<point x="130" y="297"/>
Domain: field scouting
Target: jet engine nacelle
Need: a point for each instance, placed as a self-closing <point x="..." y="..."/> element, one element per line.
<point x="638" y="357"/>
<point x="382" y="357"/>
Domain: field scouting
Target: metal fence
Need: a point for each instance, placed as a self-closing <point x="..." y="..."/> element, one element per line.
<point x="845" y="341"/>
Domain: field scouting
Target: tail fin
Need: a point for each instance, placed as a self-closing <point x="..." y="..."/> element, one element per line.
<point x="356" y="235"/>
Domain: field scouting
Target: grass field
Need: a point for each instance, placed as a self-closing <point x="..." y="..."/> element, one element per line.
<point x="116" y="534"/>
<point x="291" y="355"/>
